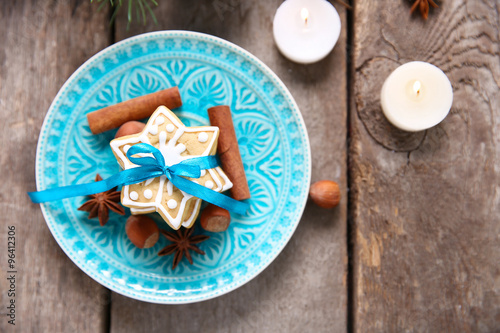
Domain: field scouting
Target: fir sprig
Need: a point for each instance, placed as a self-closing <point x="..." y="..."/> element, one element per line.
<point x="140" y="7"/>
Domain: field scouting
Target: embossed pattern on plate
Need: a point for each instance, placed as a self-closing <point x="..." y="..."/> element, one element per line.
<point x="208" y="71"/>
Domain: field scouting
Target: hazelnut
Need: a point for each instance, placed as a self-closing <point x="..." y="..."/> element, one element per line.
<point x="215" y="219"/>
<point x="325" y="193"/>
<point x="129" y="128"/>
<point x="142" y="231"/>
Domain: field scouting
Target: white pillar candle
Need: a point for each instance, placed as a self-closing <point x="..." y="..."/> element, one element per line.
<point x="416" y="96"/>
<point x="306" y="31"/>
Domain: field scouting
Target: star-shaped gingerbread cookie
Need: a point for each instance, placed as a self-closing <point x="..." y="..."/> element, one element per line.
<point x="177" y="143"/>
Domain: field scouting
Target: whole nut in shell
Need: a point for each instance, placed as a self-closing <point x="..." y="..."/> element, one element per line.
<point x="215" y="219"/>
<point x="129" y="128"/>
<point x="142" y="231"/>
<point x="325" y="193"/>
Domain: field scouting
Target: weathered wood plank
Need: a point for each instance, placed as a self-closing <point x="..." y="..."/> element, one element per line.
<point x="305" y="288"/>
<point x="425" y="206"/>
<point x="42" y="43"/>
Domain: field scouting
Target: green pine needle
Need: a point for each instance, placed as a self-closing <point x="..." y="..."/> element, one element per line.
<point x="140" y="6"/>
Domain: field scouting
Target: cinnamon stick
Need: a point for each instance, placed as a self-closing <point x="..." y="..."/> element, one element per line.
<point x="134" y="109"/>
<point x="229" y="152"/>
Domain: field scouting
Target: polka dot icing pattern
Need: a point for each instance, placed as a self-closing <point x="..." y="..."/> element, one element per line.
<point x="180" y="209"/>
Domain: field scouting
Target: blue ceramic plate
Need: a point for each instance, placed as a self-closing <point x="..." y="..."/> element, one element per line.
<point x="208" y="71"/>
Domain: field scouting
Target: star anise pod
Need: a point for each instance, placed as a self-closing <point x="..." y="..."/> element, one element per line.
<point x="100" y="204"/>
<point x="423" y="6"/>
<point x="182" y="242"/>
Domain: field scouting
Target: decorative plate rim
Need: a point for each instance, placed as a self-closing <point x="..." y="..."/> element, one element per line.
<point x="162" y="299"/>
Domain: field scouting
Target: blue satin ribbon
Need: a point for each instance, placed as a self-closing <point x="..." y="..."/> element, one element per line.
<point x="151" y="167"/>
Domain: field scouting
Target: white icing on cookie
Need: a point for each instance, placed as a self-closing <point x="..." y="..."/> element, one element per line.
<point x="153" y="129"/>
<point x="171" y="150"/>
<point x="148" y="194"/>
<point x="172" y="204"/>
<point x="160" y="120"/>
<point x="180" y="148"/>
<point x="203" y="137"/>
<point x="203" y="173"/>
<point x="209" y="184"/>
<point x="126" y="148"/>
<point x="170" y="188"/>
<point x="163" y="139"/>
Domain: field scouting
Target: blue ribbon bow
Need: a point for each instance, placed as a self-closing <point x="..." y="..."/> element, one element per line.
<point x="150" y="167"/>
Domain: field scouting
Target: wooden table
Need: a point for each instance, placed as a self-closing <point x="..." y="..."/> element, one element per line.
<point x="414" y="244"/>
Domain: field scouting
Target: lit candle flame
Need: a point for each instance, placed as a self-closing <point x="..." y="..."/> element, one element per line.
<point x="416" y="87"/>
<point x="304" y="13"/>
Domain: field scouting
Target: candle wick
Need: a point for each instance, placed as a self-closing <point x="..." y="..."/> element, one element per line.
<point x="416" y="87"/>
<point x="304" y="13"/>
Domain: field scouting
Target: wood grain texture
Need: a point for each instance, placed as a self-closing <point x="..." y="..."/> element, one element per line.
<point x="305" y="288"/>
<point x="42" y="43"/>
<point x="425" y="206"/>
